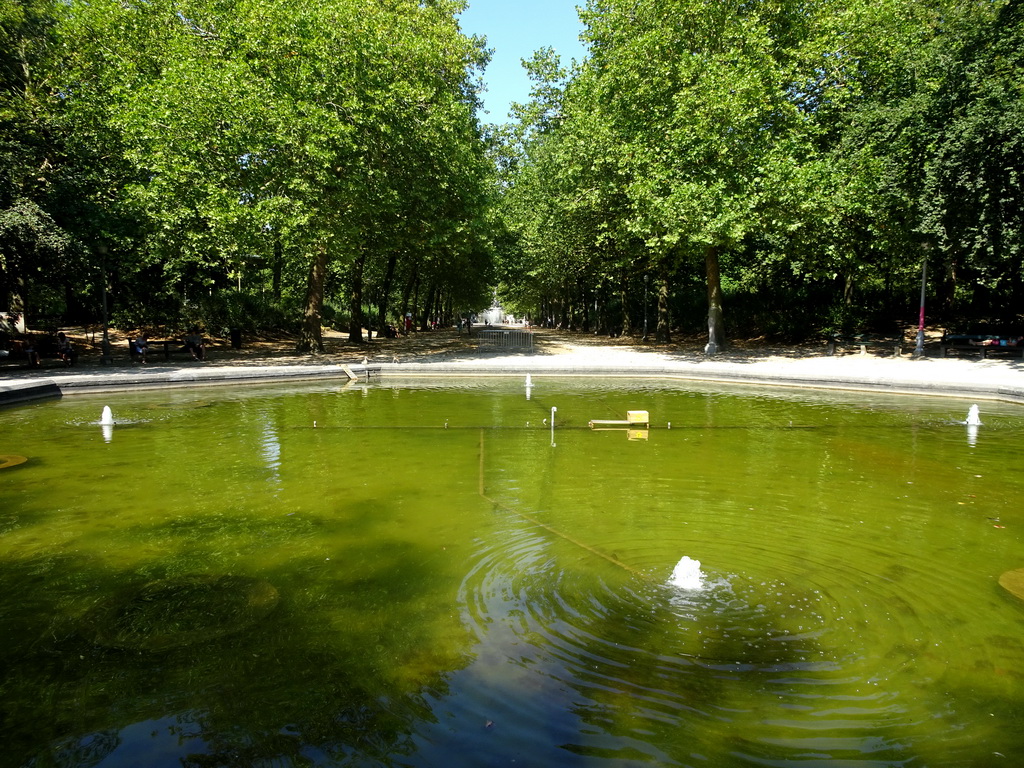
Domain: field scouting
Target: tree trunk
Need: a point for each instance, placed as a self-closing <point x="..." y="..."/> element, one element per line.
<point x="311" y="340"/>
<point x="566" y="309"/>
<point x="16" y="300"/>
<point x="385" y="293"/>
<point x="716" y="329"/>
<point x="585" y="305"/>
<point x="407" y="291"/>
<point x="627" y="319"/>
<point x="428" y="307"/>
<point x="355" y="326"/>
<point x="663" y="333"/>
<point x="947" y="295"/>
<point x="276" y="269"/>
<point x="415" y="297"/>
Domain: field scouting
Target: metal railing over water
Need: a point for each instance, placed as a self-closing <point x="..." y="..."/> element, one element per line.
<point x="505" y="339"/>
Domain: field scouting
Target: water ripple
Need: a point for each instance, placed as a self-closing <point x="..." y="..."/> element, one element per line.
<point x="771" y="655"/>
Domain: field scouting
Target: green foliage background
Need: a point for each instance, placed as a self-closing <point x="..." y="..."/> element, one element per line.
<point x="799" y="159"/>
<point x="775" y="167"/>
<point x="204" y="156"/>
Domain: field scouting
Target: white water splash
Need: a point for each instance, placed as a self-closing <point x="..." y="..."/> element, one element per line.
<point x="973" y="417"/>
<point x="687" y="574"/>
<point x="107" y="424"/>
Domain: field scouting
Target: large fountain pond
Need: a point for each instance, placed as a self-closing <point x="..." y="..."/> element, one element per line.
<point x="413" y="574"/>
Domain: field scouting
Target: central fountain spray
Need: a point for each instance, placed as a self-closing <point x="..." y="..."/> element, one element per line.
<point x="973" y="417"/>
<point x="107" y="424"/>
<point x="687" y="575"/>
<point x="973" y="422"/>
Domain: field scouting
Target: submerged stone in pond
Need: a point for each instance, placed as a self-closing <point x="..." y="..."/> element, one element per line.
<point x="181" y="611"/>
<point x="1013" y="582"/>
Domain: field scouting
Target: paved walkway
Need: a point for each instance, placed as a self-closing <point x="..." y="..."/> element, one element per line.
<point x="994" y="379"/>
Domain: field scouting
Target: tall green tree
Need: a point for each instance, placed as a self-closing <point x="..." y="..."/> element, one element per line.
<point x="296" y="128"/>
<point x="699" y="97"/>
<point x="972" y="196"/>
<point x="35" y="249"/>
<point x="787" y="148"/>
<point x="874" y="106"/>
<point x="28" y="137"/>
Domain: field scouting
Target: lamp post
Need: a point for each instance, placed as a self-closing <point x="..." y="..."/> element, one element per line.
<point x="919" y="348"/>
<point x="106" y="358"/>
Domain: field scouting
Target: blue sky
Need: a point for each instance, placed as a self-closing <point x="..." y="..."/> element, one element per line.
<point x="514" y="30"/>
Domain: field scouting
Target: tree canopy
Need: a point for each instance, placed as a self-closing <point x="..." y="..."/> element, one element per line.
<point x="293" y="165"/>
<point x="301" y="145"/>
<point x="781" y="153"/>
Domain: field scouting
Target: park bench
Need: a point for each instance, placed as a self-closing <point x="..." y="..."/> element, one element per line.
<point x="36" y="350"/>
<point x="169" y="346"/>
<point x="982" y="344"/>
<point x="863" y="342"/>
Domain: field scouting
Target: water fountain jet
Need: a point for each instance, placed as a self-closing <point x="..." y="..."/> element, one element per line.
<point x="973" y="417"/>
<point x="687" y="575"/>
<point x="107" y="424"/>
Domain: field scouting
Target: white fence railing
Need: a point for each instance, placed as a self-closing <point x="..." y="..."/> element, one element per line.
<point x="505" y="339"/>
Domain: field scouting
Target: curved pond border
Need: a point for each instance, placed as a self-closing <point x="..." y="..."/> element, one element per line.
<point x="959" y="378"/>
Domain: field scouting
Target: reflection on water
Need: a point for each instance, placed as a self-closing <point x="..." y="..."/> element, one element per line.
<point x="440" y="579"/>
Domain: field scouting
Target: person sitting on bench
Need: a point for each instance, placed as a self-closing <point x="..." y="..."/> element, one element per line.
<point x="139" y="347"/>
<point x="194" y="343"/>
<point x="65" y="350"/>
<point x="34" y="361"/>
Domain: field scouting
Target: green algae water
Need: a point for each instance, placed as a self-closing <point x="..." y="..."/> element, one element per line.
<point x="429" y="574"/>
